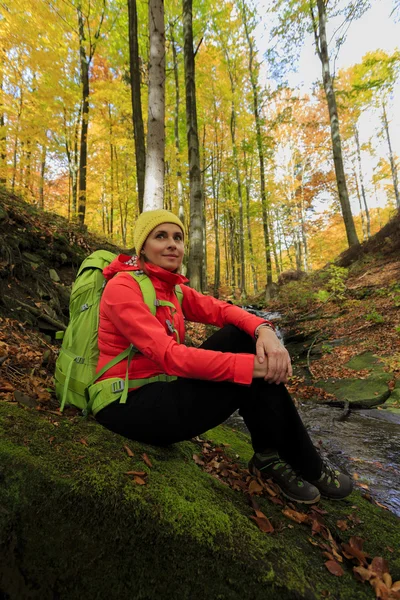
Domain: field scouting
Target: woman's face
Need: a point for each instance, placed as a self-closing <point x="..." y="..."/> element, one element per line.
<point x="164" y="246"/>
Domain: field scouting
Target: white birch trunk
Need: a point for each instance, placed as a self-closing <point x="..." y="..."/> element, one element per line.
<point x="155" y="158"/>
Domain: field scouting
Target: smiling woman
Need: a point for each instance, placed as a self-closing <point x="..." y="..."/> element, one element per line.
<point x="177" y="392"/>
<point x="164" y="247"/>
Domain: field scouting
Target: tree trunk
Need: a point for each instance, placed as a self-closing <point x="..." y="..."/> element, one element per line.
<point x="137" y="117"/>
<point x="391" y="157"/>
<point x="196" y="194"/>
<point x="363" y="227"/>
<point x="179" y="188"/>
<point x="42" y="171"/>
<point x="84" y="72"/>
<point x="322" y="51"/>
<point x="155" y="157"/>
<point x="258" y="123"/>
<point x="249" y="236"/>
<point x="362" y="182"/>
<point x="242" y="282"/>
<point x="3" y="137"/>
<point x="215" y="174"/>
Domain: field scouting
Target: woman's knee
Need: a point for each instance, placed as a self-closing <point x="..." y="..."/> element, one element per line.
<point x="230" y="339"/>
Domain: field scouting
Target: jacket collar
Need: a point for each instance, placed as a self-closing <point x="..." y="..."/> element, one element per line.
<point x="164" y="275"/>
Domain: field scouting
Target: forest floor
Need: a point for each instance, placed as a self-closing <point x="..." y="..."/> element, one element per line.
<point x="357" y="314"/>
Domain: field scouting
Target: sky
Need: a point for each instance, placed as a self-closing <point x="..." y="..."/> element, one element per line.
<point x="375" y="29"/>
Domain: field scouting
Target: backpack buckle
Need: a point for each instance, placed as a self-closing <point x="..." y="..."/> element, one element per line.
<point x="79" y="359"/>
<point x="156" y="302"/>
<point x="117" y="386"/>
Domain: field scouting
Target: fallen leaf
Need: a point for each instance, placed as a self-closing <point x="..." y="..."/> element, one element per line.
<point x="334" y="568"/>
<point x="198" y="460"/>
<point x="255" y="487"/>
<point x="342" y="525"/>
<point x="138" y="473"/>
<point x="396" y="586"/>
<point x="51" y="439"/>
<point x="362" y="574"/>
<point x="146" y="460"/>
<point x="387" y="580"/>
<point x="381" y="591"/>
<point x="264" y="524"/>
<point x="295" y="516"/>
<point x="83" y="442"/>
<point x="139" y="480"/>
<point x="379" y="566"/>
<point x="128" y="451"/>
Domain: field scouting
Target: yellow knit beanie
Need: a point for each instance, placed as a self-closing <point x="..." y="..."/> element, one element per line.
<point x="150" y="219"/>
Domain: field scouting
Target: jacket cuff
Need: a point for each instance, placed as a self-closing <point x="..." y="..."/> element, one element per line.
<point x="243" y="369"/>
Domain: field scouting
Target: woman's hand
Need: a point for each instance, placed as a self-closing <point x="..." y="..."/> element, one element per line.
<point x="272" y="360"/>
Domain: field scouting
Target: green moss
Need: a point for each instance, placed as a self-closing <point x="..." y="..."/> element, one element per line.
<point x="364" y="393"/>
<point x="366" y="360"/>
<point x="73" y="525"/>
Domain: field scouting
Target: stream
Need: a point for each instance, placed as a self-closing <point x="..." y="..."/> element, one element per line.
<point x="366" y="443"/>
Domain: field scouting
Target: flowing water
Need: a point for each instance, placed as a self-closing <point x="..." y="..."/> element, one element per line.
<point x="366" y="443"/>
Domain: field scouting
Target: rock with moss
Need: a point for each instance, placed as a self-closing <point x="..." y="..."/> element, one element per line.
<point x="74" y="523"/>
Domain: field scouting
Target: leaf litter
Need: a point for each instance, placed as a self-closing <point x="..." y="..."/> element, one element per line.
<point x="215" y="461"/>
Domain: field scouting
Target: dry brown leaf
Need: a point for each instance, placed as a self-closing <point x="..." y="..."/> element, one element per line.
<point x="128" y="451"/>
<point x="387" y="580"/>
<point x="255" y="487"/>
<point x="139" y="480"/>
<point x="83" y="442"/>
<point x="362" y="574"/>
<point x="342" y="525"/>
<point x="396" y="586"/>
<point x="379" y="566"/>
<point x="264" y="524"/>
<point x="138" y="473"/>
<point x="295" y="516"/>
<point x="198" y="460"/>
<point x="334" y="568"/>
<point x="381" y="591"/>
<point x="146" y="460"/>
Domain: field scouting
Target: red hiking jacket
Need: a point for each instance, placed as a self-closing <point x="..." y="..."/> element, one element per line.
<point x="125" y="319"/>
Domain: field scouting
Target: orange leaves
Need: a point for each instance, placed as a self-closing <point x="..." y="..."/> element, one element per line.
<point x="264" y="524"/>
<point x="128" y="451"/>
<point x="295" y="516"/>
<point x="146" y="460"/>
<point x="334" y="568"/>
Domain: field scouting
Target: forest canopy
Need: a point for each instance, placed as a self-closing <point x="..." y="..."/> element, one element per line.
<point x="274" y="194"/>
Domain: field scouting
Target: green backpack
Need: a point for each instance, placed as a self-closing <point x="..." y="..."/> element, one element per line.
<point x="76" y="364"/>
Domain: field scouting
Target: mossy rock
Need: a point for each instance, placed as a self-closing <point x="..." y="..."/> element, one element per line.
<point x="73" y="525"/>
<point x="360" y="393"/>
<point x="366" y="360"/>
<point x="392" y="404"/>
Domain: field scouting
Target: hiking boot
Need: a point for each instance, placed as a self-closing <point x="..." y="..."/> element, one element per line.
<point x="333" y="484"/>
<point x="290" y="483"/>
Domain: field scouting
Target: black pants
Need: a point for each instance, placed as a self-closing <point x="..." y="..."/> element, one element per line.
<point x="163" y="413"/>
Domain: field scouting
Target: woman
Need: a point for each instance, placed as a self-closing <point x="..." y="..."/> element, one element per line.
<point x="242" y="366"/>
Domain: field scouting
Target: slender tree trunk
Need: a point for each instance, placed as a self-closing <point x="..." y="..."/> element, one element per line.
<point x="363" y="227"/>
<point x="3" y="137"/>
<point x="323" y="54"/>
<point x="362" y="182"/>
<point x="204" y="281"/>
<point x="242" y="283"/>
<point x="84" y="72"/>
<point x="137" y="117"/>
<point x="249" y="236"/>
<point x="215" y="192"/>
<point x="393" y="166"/>
<point x="179" y="188"/>
<point x="258" y="123"/>
<point x="42" y="171"/>
<point x="155" y="158"/>
<point x="196" y="193"/>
